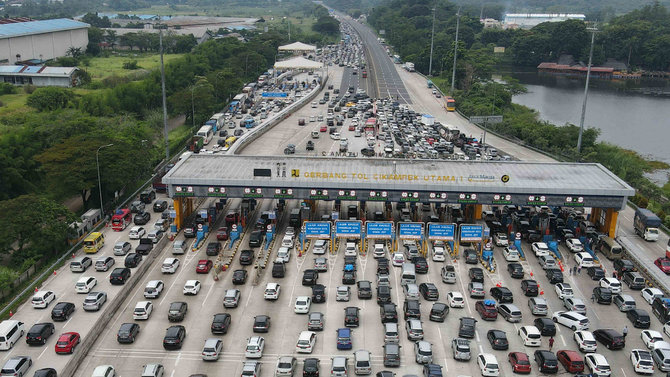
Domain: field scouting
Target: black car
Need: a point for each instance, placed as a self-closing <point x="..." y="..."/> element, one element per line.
<point x="160" y="205"/>
<point x="383" y="294"/>
<point x="119" y="276"/>
<point x="278" y="270"/>
<point x="239" y="276"/>
<point x="383" y="266"/>
<point x="62" y="311"/>
<point x="388" y="313"/>
<point x="639" y="317"/>
<point x="420" y="265"/>
<point x="255" y="238"/>
<point x="142" y="218"/>
<point x="189" y="230"/>
<point x="546" y="361"/>
<point x="133" y="260"/>
<point x="39" y="333"/>
<point x="350" y="261"/>
<point x="470" y="256"/>
<point x="213" y="249"/>
<point x="432" y="370"/>
<point x="622" y="266"/>
<point x="174" y="337"/>
<point x="554" y="275"/>
<point x="515" y="270"/>
<point x="318" y="293"/>
<point x="220" y="323"/>
<point x="351" y="316"/>
<point x="127" y="332"/>
<point x="596" y="273"/>
<point x="349" y="277"/>
<point x="364" y="289"/>
<point x="309" y="277"/>
<point x="498" y="339"/>
<point x="546" y="326"/>
<point x="529" y="287"/>
<point x="147" y="196"/>
<point x="429" y="291"/>
<point x="410" y="309"/>
<point x="177" y="311"/>
<point x="612" y="339"/>
<point x="246" y="257"/>
<point x="603" y="295"/>
<point x="262" y="323"/>
<point x="502" y="294"/>
<point x="476" y="274"/>
<point x="46" y="372"/>
<point x="310" y="367"/>
<point x="439" y="311"/>
<point x="466" y="327"/>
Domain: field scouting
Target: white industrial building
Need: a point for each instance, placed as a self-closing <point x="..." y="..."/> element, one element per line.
<point x="41" y="40"/>
<point x="529" y="20"/>
<point x="39" y="75"/>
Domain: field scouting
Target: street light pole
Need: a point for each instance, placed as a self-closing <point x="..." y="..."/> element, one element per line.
<point x="165" y="121"/>
<point x="97" y="163"/>
<point x="586" y="92"/>
<point x="432" y="40"/>
<point x="453" y="71"/>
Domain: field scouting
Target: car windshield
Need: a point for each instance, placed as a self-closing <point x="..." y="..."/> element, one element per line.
<point x="284" y="365"/>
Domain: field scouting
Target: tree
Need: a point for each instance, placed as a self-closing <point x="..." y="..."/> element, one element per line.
<point x="111" y="38"/>
<point x="50" y="98"/>
<point x="74" y="52"/>
<point x="327" y="25"/>
<point x="94" y="20"/>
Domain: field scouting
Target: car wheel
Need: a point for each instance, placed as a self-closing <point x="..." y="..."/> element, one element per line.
<point x="574" y="328"/>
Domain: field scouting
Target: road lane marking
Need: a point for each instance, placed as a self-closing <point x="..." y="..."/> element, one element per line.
<point x="42" y="353"/>
<point x="211" y="288"/>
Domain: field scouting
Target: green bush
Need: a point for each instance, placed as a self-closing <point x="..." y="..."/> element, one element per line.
<point x="130" y="65"/>
<point x="50" y="98"/>
<point x="7" y="88"/>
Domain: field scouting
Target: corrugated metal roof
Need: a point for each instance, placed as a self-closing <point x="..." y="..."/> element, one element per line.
<point x="32" y="69"/>
<point x="38" y="70"/>
<point x="58" y="70"/>
<point x="10" y="68"/>
<point x="39" y="27"/>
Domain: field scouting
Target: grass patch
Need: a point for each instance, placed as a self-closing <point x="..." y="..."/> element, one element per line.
<point x="101" y="67"/>
<point x="230" y="10"/>
<point x="178" y="136"/>
<point x="12" y="102"/>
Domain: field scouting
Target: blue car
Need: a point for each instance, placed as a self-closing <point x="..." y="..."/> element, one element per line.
<point x="344" y="339"/>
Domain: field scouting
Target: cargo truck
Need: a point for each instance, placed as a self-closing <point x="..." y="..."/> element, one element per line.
<point x="646" y="224"/>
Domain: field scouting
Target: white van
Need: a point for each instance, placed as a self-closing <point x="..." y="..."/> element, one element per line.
<point x="408" y="274"/>
<point x="10" y="333"/>
<point x="143" y="310"/>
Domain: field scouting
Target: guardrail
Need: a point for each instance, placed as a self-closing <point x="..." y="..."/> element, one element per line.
<point x="652" y="273"/>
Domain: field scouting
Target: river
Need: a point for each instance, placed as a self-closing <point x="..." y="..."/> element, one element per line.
<point x="626" y="118"/>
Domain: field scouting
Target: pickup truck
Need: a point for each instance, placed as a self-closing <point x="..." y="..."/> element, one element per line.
<point x="145" y="246"/>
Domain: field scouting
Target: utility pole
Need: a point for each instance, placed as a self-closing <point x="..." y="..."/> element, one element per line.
<point x="97" y="164"/>
<point x="165" y="123"/>
<point x="586" y="91"/>
<point x="453" y="71"/>
<point x="432" y="40"/>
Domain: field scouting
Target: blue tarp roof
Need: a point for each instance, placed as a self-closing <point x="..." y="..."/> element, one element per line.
<point x="39" y="27"/>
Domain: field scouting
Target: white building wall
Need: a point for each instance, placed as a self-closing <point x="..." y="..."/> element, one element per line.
<point x="42" y="46"/>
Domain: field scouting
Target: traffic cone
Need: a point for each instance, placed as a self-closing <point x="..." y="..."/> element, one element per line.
<point x="36" y="289"/>
<point x="498" y="285"/>
<point x="54" y="272"/>
<point x="72" y="255"/>
<point x="541" y="292"/>
<point x="531" y="273"/>
<point x="11" y="313"/>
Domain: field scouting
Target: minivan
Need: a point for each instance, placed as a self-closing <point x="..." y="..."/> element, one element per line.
<point x="391" y="355"/>
<point x="362" y="364"/>
<point x="414" y="329"/>
<point x="80" y="264"/>
<point x="408" y="274"/>
<point x="634" y="280"/>
<point x="391" y="334"/>
<point x="10" y="333"/>
<point x="212" y="349"/>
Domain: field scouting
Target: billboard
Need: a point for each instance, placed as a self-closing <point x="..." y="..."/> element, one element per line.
<point x="379" y="230"/>
<point x="471" y="232"/>
<point x="317" y="229"/>
<point x="348" y="229"/>
<point x="410" y="231"/>
<point x="441" y="231"/>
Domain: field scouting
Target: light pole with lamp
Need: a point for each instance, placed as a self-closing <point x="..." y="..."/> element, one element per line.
<point x="97" y="163"/>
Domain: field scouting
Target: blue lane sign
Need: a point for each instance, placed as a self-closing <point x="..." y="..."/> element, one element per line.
<point x="273" y="94"/>
<point x="471" y="232"/>
<point x="440" y="231"/>
<point x="348" y="229"/>
<point x="317" y="229"/>
<point x="379" y="230"/>
<point x="412" y="231"/>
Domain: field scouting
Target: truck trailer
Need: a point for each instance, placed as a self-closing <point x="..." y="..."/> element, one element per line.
<point x="646" y="224"/>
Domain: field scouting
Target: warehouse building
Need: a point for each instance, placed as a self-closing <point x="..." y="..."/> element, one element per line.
<point x="39" y="75"/>
<point x="41" y="40"/>
<point x="530" y="20"/>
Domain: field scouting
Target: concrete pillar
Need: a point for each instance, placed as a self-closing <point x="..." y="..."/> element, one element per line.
<point x="610" y="222"/>
<point x="595" y="218"/>
<point x="178" y="208"/>
<point x="478" y="211"/>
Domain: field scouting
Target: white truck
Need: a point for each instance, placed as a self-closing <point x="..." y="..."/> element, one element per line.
<point x="409" y="66"/>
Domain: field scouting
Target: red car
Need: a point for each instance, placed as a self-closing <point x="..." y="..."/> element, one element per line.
<point x="352" y="127"/>
<point x="519" y="361"/>
<point x="663" y="264"/>
<point x="204" y="265"/>
<point x="222" y="233"/>
<point x="232" y="218"/>
<point x="323" y="128"/>
<point x="571" y="360"/>
<point x="487" y="310"/>
<point x="66" y="342"/>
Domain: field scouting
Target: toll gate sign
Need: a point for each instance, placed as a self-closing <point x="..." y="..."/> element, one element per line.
<point x="410" y="231"/>
<point x="348" y="229"/>
<point x="317" y="229"/>
<point x="379" y="230"/>
<point x="441" y="231"/>
<point x="471" y="232"/>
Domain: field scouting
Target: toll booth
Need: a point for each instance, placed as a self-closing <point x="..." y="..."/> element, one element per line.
<point x="346" y="229"/>
<point x="411" y="231"/>
<point x="443" y="232"/>
<point x="379" y="230"/>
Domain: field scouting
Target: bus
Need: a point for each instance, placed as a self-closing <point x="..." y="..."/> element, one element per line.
<point x="451" y="104"/>
<point x="122" y="217"/>
<point x="371" y="125"/>
<point x="206" y="133"/>
<point x="94" y="242"/>
<point x="610" y="248"/>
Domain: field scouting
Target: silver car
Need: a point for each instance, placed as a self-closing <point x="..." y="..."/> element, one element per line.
<point x="94" y="301"/>
<point x="286" y="366"/>
<point x="538" y="306"/>
<point x="423" y="352"/>
<point x="624" y="302"/>
<point x="461" y="349"/>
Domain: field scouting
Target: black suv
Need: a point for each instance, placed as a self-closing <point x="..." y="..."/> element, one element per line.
<point x="639" y="317"/>
<point x="310" y="367"/>
<point x="174" y="337"/>
<point x="502" y="294"/>
<point x="498" y="339"/>
<point x="429" y="291"/>
<point x="476" y="274"/>
<point x="127" y="332"/>
<point x="439" y="311"/>
<point x="351" y="316"/>
<point x="142" y="218"/>
<point x="470" y="256"/>
<point x="612" y="339"/>
<point x="410" y="309"/>
<point x="596" y="273"/>
<point x="383" y="266"/>
<point x="349" y="277"/>
<point x="420" y="265"/>
<point x="246" y="257"/>
<point x="240" y="276"/>
<point x="213" y="249"/>
<point x="388" y="313"/>
<point x="546" y="326"/>
<point x="318" y="293"/>
<point x="62" y="311"/>
<point x="119" y="276"/>
<point x="466" y="327"/>
<point x="515" y="270"/>
<point x="309" y="277"/>
<point x="220" y="323"/>
<point x="383" y="294"/>
<point x="603" y="295"/>
<point x="255" y="238"/>
<point x="529" y="287"/>
<point x="546" y="361"/>
<point x="160" y="205"/>
<point x="554" y="275"/>
<point x="622" y="266"/>
<point x="133" y="260"/>
<point x="39" y="333"/>
<point x="364" y="289"/>
<point x="262" y="323"/>
<point x="177" y="311"/>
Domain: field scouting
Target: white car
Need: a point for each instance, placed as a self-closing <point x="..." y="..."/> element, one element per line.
<point x="650" y="294"/>
<point x="136" y="232"/>
<point x="350" y="249"/>
<point x="42" y="299"/>
<point x="612" y="283"/>
<point x="302" y="304"/>
<point x="398" y="259"/>
<point x="272" y="291"/>
<point x="642" y="361"/>
<point x="584" y="260"/>
<point x="379" y="250"/>
<point x="455" y="300"/>
<point x="649" y="337"/>
<point x="666" y="328"/>
<point x="571" y="320"/>
<point x="500" y="239"/>
<point x="320" y="247"/>
<point x="488" y="364"/>
<point x="511" y="254"/>
<point x="153" y="289"/>
<point x="574" y="245"/>
<point x="585" y="340"/>
<point x="540" y="248"/>
<point x="563" y="290"/>
<point x="283" y="255"/>
<point x="343" y="293"/>
<point x="439" y="255"/>
<point x="104" y="371"/>
<point x="287" y="241"/>
<point x="85" y="284"/>
<point x="192" y="287"/>
<point x="530" y="336"/>
<point x="170" y="265"/>
<point x="597" y="364"/>
<point x="255" y="347"/>
<point x="290" y="231"/>
<point x="306" y="341"/>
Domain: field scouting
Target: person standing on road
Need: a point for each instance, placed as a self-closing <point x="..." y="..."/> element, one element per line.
<point x="593" y="297"/>
<point x="551" y="343"/>
<point x="625" y="331"/>
<point x="579" y="270"/>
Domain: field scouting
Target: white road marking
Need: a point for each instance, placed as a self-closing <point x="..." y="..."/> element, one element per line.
<point x="42" y="353"/>
<point x="67" y="323"/>
<point x="211" y="288"/>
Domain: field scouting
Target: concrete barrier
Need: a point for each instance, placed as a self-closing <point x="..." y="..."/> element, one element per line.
<point x="109" y="311"/>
